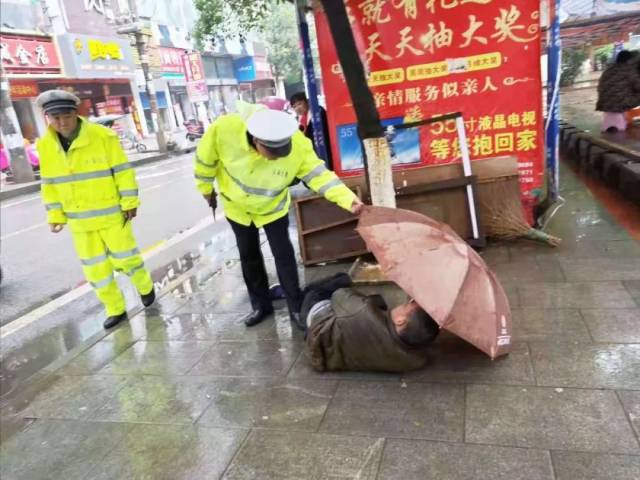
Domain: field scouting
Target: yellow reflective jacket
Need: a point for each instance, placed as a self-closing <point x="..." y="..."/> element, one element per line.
<point x="253" y="188"/>
<point x="90" y="184"/>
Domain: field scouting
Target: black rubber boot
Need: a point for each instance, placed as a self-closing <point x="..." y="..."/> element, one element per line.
<point x="149" y="298"/>
<point x="114" y="320"/>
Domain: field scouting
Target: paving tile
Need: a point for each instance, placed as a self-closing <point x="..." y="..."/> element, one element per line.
<point x="221" y="327"/>
<point x="495" y="254"/>
<point x="601" y="269"/>
<point x="633" y="287"/>
<point x="157" y="358"/>
<point x="575" y="465"/>
<point x="423" y="460"/>
<point x="265" y="358"/>
<point x="587" y="366"/>
<point x="95" y="358"/>
<point x="268" y="403"/>
<point x="155" y="399"/>
<point x="451" y="359"/>
<point x="170" y="452"/>
<point x="631" y="403"/>
<point x="603" y="248"/>
<point x="575" y="295"/>
<point x="548" y="418"/>
<point x="276" y="455"/>
<point x="73" y="397"/>
<point x="512" y="293"/>
<point x="52" y="449"/>
<point x="11" y="425"/>
<point x="135" y="329"/>
<point x="302" y="369"/>
<point x="540" y="324"/>
<point x="406" y="410"/>
<point x="522" y="271"/>
<point x="614" y="325"/>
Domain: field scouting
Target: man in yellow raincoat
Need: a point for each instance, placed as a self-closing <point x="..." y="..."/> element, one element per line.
<point x="88" y="183"/>
<point x="254" y="156"/>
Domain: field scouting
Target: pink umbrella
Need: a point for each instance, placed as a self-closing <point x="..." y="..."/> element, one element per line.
<point x="274" y="103"/>
<point x="445" y="276"/>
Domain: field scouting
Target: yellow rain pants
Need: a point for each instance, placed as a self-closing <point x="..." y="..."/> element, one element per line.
<point x="105" y="250"/>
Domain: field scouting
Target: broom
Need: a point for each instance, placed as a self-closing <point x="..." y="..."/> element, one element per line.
<point x="502" y="213"/>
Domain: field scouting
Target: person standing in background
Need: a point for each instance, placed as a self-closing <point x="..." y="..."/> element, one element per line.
<point x="300" y="105"/>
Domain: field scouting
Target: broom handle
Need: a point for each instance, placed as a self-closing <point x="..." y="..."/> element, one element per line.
<point x="466" y="168"/>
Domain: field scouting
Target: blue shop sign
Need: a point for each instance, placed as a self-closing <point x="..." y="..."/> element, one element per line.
<point x="244" y="69"/>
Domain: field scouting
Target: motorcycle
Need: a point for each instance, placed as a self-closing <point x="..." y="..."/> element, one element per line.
<point x="195" y="129"/>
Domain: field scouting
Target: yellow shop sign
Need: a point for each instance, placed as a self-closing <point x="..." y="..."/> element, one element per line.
<point x="99" y="50"/>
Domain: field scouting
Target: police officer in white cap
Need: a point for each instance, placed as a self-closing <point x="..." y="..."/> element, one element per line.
<point x="253" y="157"/>
<point x="89" y="185"/>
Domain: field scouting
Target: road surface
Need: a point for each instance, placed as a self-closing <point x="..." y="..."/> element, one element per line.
<point x="38" y="265"/>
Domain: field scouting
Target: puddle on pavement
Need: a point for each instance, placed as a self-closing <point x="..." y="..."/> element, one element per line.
<point x="23" y="358"/>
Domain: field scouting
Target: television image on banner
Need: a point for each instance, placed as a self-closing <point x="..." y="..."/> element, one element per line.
<point x="404" y="145"/>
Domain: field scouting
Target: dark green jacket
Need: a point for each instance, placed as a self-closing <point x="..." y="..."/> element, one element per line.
<point x="358" y="335"/>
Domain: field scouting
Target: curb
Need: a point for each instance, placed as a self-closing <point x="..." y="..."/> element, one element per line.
<point x="614" y="165"/>
<point x="35" y="187"/>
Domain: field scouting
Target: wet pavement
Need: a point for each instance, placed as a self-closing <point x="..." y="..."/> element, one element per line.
<point x="185" y="391"/>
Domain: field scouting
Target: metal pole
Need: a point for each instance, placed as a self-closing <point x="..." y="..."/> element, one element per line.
<point x="12" y="136"/>
<point x="554" y="57"/>
<point x="321" y="143"/>
<point x="142" y="36"/>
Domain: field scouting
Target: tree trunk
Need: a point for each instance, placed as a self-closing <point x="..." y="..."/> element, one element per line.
<point x="12" y="136"/>
<point x="377" y="154"/>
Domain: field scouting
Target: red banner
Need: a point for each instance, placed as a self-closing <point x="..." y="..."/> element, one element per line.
<point x="23" y="54"/>
<point x="428" y="58"/>
<point x="23" y="89"/>
<point x="194" y="74"/>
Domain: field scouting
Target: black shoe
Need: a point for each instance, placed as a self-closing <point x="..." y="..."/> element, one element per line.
<point x="149" y="298"/>
<point x="255" y="317"/>
<point x="298" y="322"/>
<point x="114" y="320"/>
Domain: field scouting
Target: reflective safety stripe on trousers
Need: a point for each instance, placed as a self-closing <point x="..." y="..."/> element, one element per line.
<point x="102" y="283"/>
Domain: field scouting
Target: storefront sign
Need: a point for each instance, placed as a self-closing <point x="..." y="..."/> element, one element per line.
<point x="96" y="57"/>
<point x="194" y="75"/>
<point x="244" y="69"/>
<point x="171" y="65"/>
<point x="23" y="89"/>
<point x="113" y="106"/>
<point x="93" y="17"/>
<point x="478" y="57"/>
<point x="25" y="54"/>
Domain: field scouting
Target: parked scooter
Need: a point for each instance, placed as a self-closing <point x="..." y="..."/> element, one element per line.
<point x="195" y="129"/>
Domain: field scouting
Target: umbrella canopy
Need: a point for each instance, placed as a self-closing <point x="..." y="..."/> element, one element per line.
<point x="445" y="276"/>
<point x="274" y="103"/>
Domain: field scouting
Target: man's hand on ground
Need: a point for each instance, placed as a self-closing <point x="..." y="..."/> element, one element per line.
<point x="56" y="227"/>
<point x="356" y="206"/>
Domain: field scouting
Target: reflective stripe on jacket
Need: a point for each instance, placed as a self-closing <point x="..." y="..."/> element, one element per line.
<point x="90" y="184"/>
<point x="252" y="188"/>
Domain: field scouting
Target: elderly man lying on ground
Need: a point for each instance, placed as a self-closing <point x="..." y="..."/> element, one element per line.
<point x="350" y="331"/>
